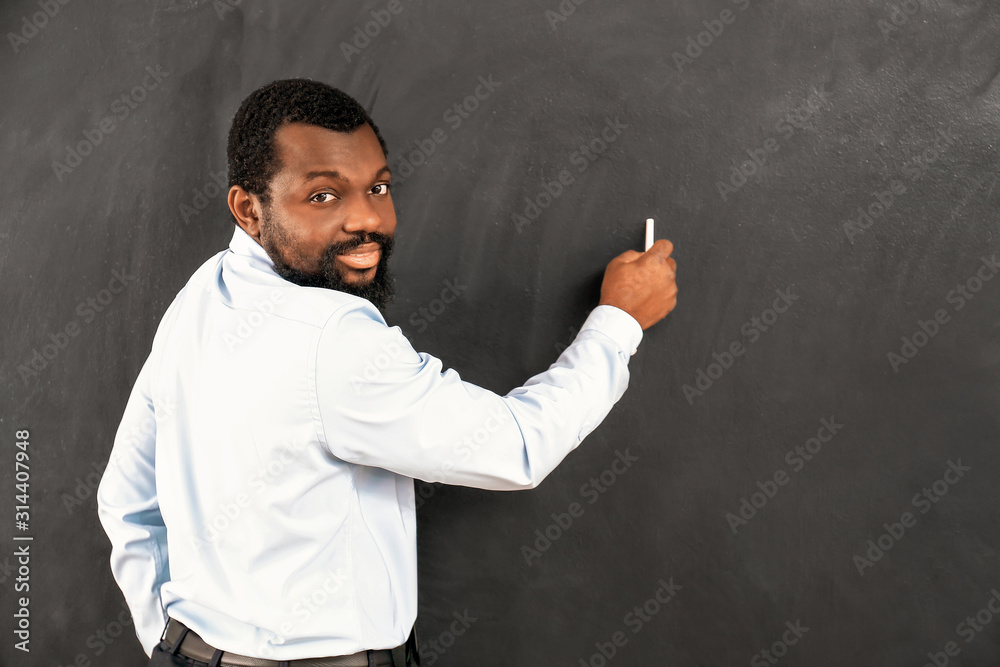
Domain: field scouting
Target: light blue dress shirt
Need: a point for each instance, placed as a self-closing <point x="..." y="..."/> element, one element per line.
<point x="260" y="486"/>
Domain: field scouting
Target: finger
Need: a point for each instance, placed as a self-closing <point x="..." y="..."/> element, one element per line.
<point x="659" y="252"/>
<point x="663" y="246"/>
<point x="628" y="256"/>
<point x="671" y="305"/>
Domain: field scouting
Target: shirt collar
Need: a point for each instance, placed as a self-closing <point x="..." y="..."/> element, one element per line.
<point x="244" y="244"/>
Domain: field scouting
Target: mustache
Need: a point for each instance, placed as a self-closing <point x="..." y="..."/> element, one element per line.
<point x="384" y="241"/>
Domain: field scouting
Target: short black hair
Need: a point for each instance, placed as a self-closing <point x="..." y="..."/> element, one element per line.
<point x="250" y="150"/>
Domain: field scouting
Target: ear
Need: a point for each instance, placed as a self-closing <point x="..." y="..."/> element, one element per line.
<point x="246" y="208"/>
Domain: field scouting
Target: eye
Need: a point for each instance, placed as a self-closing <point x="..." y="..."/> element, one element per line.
<point x="384" y="189"/>
<point x="322" y="194"/>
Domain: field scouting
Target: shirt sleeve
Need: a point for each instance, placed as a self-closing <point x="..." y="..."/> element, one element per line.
<point x="130" y="513"/>
<point x="385" y="405"/>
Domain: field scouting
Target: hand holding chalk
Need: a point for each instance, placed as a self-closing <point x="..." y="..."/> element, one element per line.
<point x="642" y="283"/>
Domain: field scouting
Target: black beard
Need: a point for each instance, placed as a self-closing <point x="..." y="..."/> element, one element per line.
<point x="379" y="291"/>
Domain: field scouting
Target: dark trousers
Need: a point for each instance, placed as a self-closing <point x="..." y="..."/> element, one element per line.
<point x="162" y="657"/>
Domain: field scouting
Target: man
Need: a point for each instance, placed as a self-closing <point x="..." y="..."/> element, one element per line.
<point x="259" y="495"/>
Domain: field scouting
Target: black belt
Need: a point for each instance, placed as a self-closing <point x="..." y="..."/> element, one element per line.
<point x="186" y="642"/>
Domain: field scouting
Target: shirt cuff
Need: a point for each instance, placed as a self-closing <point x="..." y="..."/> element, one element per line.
<point x="618" y="325"/>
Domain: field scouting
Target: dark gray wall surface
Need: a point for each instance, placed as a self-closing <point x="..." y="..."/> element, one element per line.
<point x="833" y="110"/>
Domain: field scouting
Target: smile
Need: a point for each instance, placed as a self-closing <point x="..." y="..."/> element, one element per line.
<point x="363" y="257"/>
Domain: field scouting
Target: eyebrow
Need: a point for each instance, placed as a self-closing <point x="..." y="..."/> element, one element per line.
<point x="336" y="175"/>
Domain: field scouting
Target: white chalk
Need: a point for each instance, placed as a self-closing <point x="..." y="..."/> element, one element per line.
<point x="649" y="233"/>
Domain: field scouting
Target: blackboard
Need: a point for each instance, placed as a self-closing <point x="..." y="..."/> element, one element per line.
<point x="803" y="468"/>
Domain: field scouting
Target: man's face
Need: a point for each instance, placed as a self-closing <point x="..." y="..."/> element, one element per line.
<point x="330" y="222"/>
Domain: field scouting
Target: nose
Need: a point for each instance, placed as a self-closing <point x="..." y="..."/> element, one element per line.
<point x="363" y="217"/>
